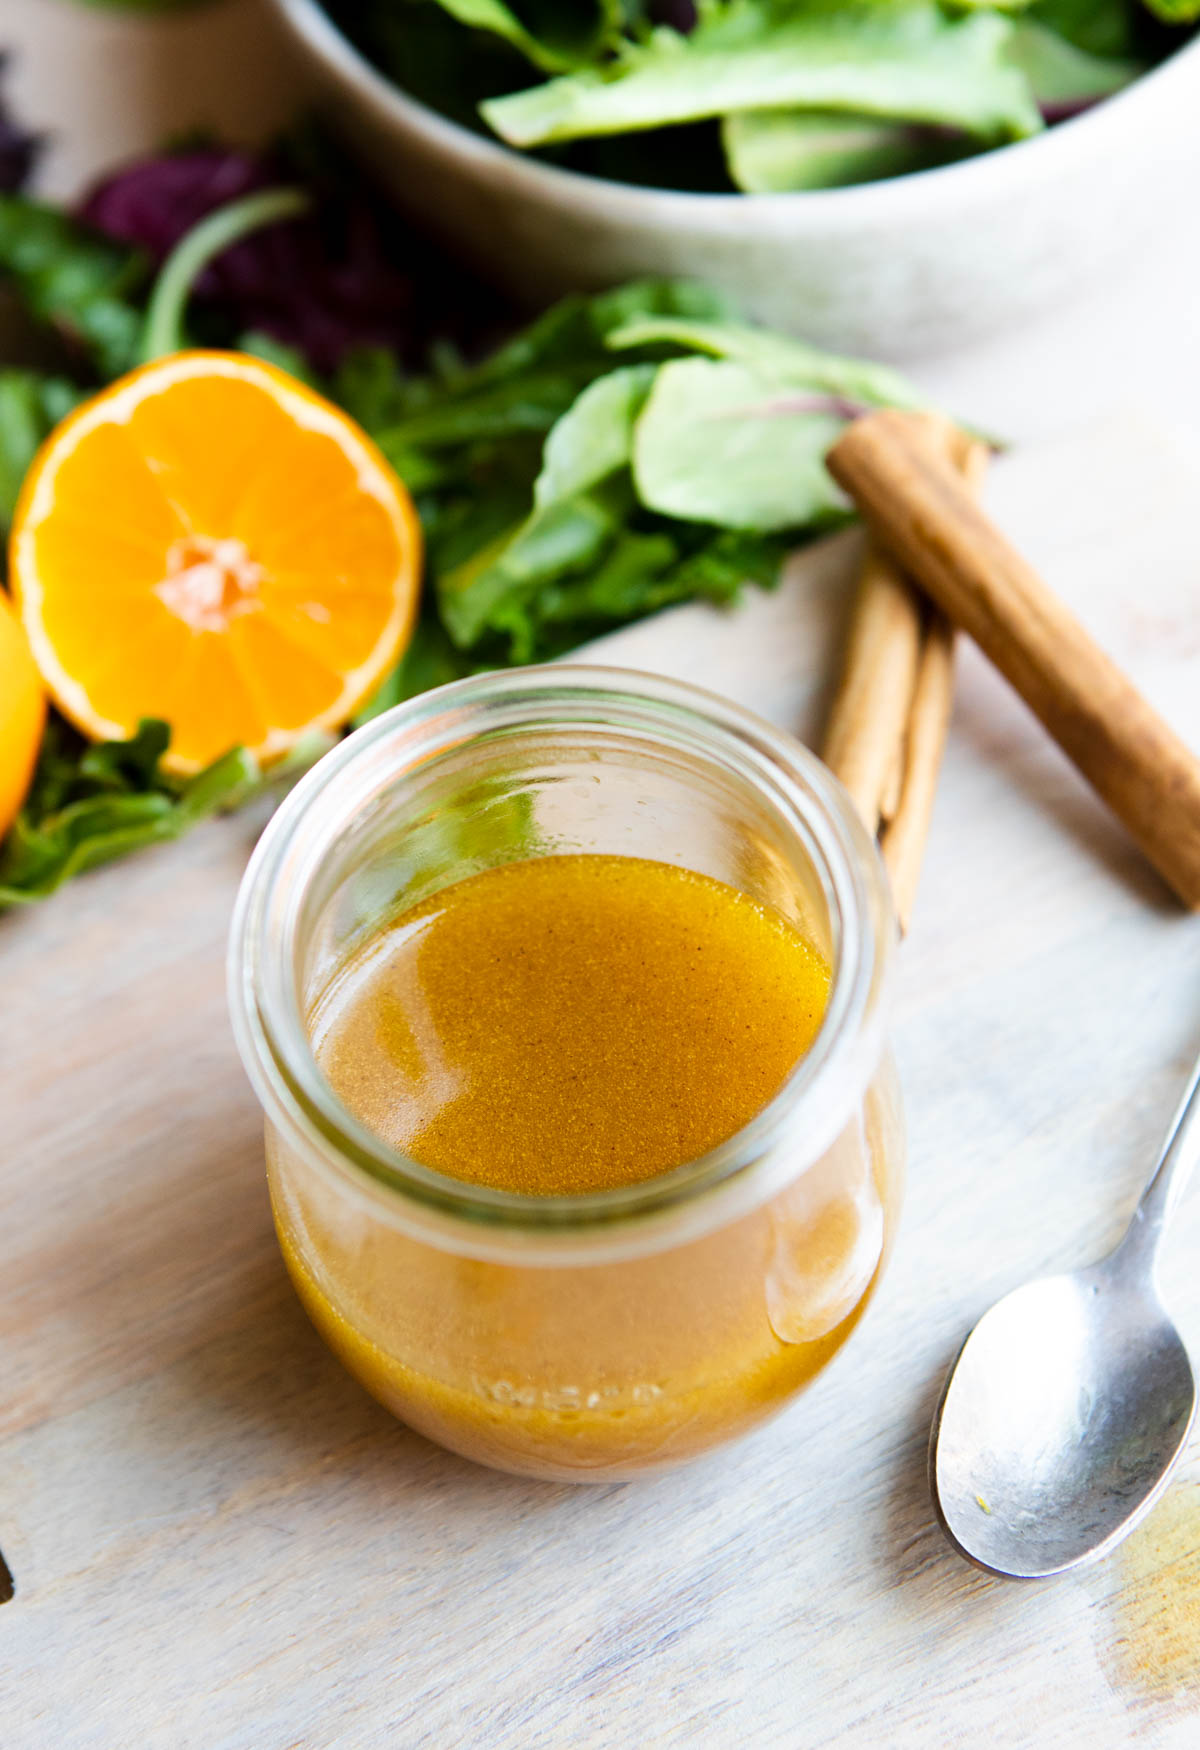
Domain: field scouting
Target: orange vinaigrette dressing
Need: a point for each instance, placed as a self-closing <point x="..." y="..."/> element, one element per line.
<point x="571" y="1024"/>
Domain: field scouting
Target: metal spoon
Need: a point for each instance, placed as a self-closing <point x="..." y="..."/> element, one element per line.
<point x="1071" y="1400"/>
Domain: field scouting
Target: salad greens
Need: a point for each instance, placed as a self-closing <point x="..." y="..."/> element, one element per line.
<point x="91" y="804"/>
<point x="549" y="477"/>
<point x="80" y="283"/>
<point x="889" y="58"/>
<point x="796" y="94"/>
<point x="622" y="452"/>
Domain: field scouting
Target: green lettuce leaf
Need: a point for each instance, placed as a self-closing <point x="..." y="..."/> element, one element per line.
<point x="789" y="363"/>
<point x="706" y="453"/>
<point x="660" y="478"/>
<point x="901" y="59"/>
<point x="1063" y="76"/>
<point x="89" y="805"/>
<point x="594" y="438"/>
<point x="565" y="35"/>
<point x="777" y="151"/>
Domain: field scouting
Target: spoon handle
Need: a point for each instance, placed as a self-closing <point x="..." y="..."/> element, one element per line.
<point x="1161" y="1198"/>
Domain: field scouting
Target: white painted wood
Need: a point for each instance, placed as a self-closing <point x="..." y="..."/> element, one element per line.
<point x="220" y="1543"/>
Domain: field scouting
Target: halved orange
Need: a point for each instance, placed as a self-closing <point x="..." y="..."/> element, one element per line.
<point x="210" y="542"/>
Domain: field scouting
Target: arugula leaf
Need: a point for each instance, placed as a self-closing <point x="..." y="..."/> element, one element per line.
<point x="646" y="572"/>
<point x="89" y="805"/>
<point x="575" y="331"/>
<point x="567" y="528"/>
<point x="528" y="403"/>
<point x="31" y="405"/>
<point x="571" y="534"/>
<point x="372" y="387"/>
<point x="632" y="580"/>
<point x="67" y="276"/>
<point x="904" y="59"/>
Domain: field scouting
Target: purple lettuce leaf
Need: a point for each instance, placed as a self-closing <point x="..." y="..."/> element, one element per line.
<point x="324" y="283"/>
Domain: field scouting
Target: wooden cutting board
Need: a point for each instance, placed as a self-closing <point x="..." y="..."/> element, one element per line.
<point x="218" y="1541"/>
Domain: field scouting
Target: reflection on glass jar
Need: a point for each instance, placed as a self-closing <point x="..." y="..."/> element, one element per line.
<point x="592" y="1335"/>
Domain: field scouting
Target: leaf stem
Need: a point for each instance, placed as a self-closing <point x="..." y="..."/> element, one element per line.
<point x="163" y="331"/>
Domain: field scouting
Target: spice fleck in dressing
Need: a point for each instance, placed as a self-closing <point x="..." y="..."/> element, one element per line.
<point x="571" y="1024"/>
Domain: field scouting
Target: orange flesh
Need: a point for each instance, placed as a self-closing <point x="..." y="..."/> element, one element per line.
<point x="209" y="542"/>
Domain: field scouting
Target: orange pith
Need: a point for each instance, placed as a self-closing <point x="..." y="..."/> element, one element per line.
<point x="211" y="542"/>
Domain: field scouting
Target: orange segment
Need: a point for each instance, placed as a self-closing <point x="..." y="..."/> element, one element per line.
<point x="338" y="626"/>
<point x="211" y="542"/>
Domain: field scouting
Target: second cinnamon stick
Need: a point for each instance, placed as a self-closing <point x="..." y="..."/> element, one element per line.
<point x="920" y="510"/>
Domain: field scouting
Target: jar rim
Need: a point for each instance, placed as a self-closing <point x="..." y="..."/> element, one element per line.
<point x="267" y="1010"/>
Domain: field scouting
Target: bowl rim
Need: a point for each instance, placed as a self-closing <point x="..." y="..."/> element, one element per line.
<point x="967" y="177"/>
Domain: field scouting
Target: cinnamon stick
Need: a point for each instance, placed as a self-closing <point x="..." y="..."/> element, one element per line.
<point x="887" y="725"/>
<point x="865" y="732"/>
<point x="893" y="790"/>
<point x="917" y="507"/>
<point x="902" y="840"/>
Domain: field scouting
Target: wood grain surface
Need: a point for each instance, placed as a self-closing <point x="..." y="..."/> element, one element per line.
<point x="220" y="1543"/>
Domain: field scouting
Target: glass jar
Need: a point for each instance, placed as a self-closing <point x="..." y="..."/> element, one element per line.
<point x="590" y="1336"/>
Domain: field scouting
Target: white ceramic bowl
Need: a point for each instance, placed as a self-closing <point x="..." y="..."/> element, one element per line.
<point x="912" y="265"/>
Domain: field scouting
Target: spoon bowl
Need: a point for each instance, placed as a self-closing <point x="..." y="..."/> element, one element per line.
<point x="1071" y="1400"/>
<point x="1060" y="1423"/>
